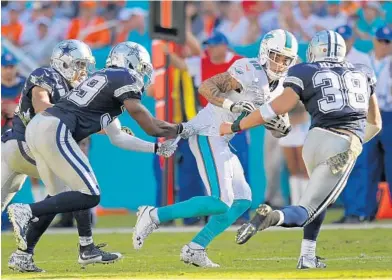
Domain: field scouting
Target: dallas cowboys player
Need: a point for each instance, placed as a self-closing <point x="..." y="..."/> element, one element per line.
<point x="67" y="59"/>
<point x="230" y="96"/>
<point x="340" y="99"/>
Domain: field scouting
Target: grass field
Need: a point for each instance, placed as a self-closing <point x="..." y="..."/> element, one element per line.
<point x="363" y="253"/>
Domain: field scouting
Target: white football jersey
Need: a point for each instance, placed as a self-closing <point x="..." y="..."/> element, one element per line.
<point x="255" y="88"/>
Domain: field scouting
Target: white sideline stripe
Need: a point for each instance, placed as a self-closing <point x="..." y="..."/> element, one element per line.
<point x="136" y="256"/>
<point x="198" y="228"/>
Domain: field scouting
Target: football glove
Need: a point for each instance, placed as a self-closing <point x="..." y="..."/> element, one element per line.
<point x="186" y="130"/>
<point x="127" y="130"/>
<point x="166" y="149"/>
<point x="279" y="126"/>
<point x="242" y="106"/>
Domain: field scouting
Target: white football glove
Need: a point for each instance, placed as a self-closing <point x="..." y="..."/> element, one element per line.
<point x="187" y="130"/>
<point x="279" y="126"/>
<point x="242" y="106"/>
<point x="166" y="149"/>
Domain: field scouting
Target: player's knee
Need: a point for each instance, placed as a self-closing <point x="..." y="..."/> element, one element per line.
<point x="91" y="201"/>
<point x="214" y="206"/>
<point x="242" y="204"/>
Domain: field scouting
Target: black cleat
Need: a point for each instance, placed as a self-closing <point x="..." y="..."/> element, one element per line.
<point x="92" y="254"/>
<point x="263" y="219"/>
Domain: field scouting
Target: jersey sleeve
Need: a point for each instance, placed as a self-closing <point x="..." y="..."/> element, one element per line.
<point x="296" y="78"/>
<point x="42" y="78"/>
<point x="130" y="87"/>
<point x="242" y="71"/>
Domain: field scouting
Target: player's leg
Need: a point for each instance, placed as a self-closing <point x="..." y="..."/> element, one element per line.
<point x="16" y="161"/>
<point x="55" y="156"/>
<point x="329" y="159"/>
<point x="212" y="204"/>
<point x="235" y="192"/>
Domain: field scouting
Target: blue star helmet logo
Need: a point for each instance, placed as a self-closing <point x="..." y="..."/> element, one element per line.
<point x="66" y="49"/>
<point x="134" y="50"/>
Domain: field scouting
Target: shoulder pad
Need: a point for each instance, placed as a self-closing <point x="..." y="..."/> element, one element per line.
<point x="42" y="77"/>
<point x="243" y="71"/>
<point x="131" y="82"/>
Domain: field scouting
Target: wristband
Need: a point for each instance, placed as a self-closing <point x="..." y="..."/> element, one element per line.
<point x="235" y="127"/>
<point x="156" y="147"/>
<point x="180" y="128"/>
<point x="266" y="112"/>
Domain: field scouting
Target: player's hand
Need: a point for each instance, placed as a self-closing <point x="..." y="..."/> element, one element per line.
<point x="225" y="128"/>
<point x="242" y="106"/>
<point x="127" y="130"/>
<point x="187" y="130"/>
<point x="167" y="148"/>
<point x="280" y="126"/>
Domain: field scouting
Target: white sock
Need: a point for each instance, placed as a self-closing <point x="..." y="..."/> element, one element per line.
<point x="308" y="248"/>
<point x="195" y="246"/>
<point x="85" y="240"/>
<point x="38" y="193"/>
<point x="281" y="217"/>
<point x="154" y="215"/>
<point x="20" y="252"/>
<point x="295" y="189"/>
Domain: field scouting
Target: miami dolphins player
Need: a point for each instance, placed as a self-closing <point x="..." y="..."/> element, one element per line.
<point x="231" y="95"/>
<point x="92" y="106"/>
<point x="45" y="86"/>
<point x="339" y="97"/>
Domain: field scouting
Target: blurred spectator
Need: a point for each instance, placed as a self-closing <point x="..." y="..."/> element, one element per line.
<point x="30" y="29"/>
<point x="11" y="87"/>
<point x="286" y="19"/>
<point x="350" y="8"/>
<point x="306" y="19"/>
<point x="88" y="19"/>
<point x="252" y="30"/>
<point x="41" y="46"/>
<point x="55" y="20"/>
<point x="132" y="25"/>
<point x="235" y="26"/>
<point x="334" y="18"/>
<point x="369" y="20"/>
<point x="268" y="16"/>
<point x="13" y="29"/>
<point x="352" y="54"/>
<point x="205" y="21"/>
<point x="379" y="148"/>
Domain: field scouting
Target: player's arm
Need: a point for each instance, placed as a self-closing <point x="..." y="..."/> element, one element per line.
<point x="126" y="141"/>
<point x="267" y="112"/>
<point x="148" y="123"/>
<point x="214" y="89"/>
<point x="40" y="99"/>
<point x="374" y="122"/>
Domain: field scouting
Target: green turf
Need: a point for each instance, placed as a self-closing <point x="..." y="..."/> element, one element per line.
<point x="351" y="254"/>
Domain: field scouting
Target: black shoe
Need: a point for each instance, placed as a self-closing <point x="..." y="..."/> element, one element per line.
<point x="91" y="254"/>
<point x="263" y="219"/>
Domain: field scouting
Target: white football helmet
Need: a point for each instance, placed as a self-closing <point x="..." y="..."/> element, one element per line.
<point x="279" y="48"/>
<point x="134" y="56"/>
<point x="326" y="45"/>
<point x="73" y="60"/>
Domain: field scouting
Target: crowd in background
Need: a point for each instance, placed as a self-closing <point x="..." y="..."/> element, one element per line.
<point x="238" y="26"/>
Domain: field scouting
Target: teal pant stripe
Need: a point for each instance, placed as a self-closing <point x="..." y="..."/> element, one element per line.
<point x="209" y="164"/>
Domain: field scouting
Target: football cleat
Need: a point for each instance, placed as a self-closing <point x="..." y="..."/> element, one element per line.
<point x="23" y="262"/>
<point x="144" y="226"/>
<point x="305" y="262"/>
<point x="20" y="217"/>
<point x="92" y="254"/>
<point x="196" y="257"/>
<point x="263" y="219"/>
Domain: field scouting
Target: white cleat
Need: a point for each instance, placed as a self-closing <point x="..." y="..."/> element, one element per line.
<point x="20" y="217"/>
<point x="305" y="262"/>
<point x="144" y="226"/>
<point x="196" y="257"/>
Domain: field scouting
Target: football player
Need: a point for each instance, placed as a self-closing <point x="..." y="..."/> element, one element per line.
<point x="339" y="97"/>
<point x="231" y="96"/>
<point x="44" y="87"/>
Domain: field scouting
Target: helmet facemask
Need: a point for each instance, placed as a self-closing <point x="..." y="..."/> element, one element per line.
<point x="81" y="69"/>
<point x="145" y="70"/>
<point x="277" y="64"/>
